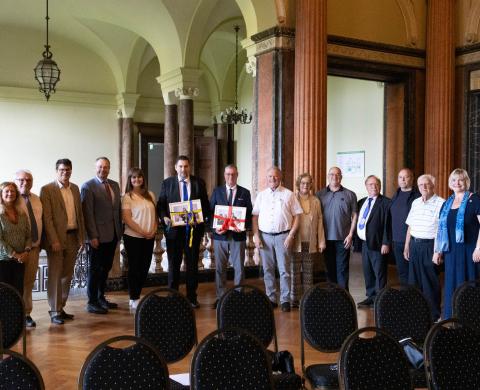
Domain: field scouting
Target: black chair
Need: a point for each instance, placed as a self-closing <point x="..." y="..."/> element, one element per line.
<point x="12" y="317"/>
<point x="405" y="313"/>
<point x="327" y="317"/>
<point x="451" y="356"/>
<point x="231" y="359"/>
<point x="18" y="372"/>
<point x="466" y="303"/>
<point x="373" y="363"/>
<point x="165" y="318"/>
<point x="136" y="366"/>
<point x="247" y="307"/>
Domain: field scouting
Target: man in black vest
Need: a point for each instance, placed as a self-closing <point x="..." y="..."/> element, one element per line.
<point x="183" y="187"/>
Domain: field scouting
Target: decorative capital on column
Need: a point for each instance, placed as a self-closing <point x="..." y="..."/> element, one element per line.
<point x="251" y="66"/>
<point x="273" y="39"/>
<point x="181" y="83"/>
<point x="186" y="93"/>
<point x="126" y="103"/>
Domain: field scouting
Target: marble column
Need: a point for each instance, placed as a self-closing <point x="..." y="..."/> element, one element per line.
<point x="222" y="150"/>
<point x="440" y="84"/>
<point x="126" y="150"/>
<point x="273" y="109"/>
<point x="185" y="123"/>
<point x="170" y="140"/>
<point x="310" y="110"/>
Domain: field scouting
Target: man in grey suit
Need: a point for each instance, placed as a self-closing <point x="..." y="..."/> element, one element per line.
<point x="101" y="212"/>
<point x="64" y="235"/>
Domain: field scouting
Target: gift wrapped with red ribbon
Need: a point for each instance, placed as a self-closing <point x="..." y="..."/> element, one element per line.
<point x="230" y="221"/>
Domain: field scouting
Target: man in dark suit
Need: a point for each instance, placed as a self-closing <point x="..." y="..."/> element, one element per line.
<point x="101" y="212"/>
<point x="373" y="233"/>
<point x="183" y="187"/>
<point x="228" y="242"/>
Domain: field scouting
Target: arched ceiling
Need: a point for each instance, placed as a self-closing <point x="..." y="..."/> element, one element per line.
<point x="127" y="34"/>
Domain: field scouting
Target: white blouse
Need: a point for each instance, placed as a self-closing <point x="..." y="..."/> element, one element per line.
<point x="143" y="212"/>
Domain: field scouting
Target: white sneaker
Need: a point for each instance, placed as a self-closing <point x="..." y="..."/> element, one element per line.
<point x="134" y="303"/>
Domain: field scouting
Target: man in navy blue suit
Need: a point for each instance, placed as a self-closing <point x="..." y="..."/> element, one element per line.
<point x="229" y="242"/>
<point x="183" y="239"/>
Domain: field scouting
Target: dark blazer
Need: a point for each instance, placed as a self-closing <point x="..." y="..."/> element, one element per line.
<point x="102" y="217"/>
<point x="376" y="230"/>
<point x="242" y="199"/>
<point x="170" y="193"/>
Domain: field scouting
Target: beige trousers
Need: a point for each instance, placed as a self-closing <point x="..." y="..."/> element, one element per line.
<point x="31" y="268"/>
<point x="60" y="272"/>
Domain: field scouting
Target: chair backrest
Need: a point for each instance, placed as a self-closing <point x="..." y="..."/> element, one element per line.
<point x="138" y="365"/>
<point x="230" y="359"/>
<point x="466" y="303"/>
<point x="247" y="307"/>
<point x="165" y="318"/>
<point x="451" y="356"/>
<point x="18" y="372"/>
<point x="403" y="313"/>
<point x="12" y="316"/>
<point x="376" y="362"/>
<point x="327" y="317"/>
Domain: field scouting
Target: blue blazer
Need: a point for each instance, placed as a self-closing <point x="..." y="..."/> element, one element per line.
<point x="242" y="199"/>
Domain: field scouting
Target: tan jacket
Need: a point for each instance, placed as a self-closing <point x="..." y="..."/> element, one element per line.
<point x="317" y="233"/>
<point x="55" y="215"/>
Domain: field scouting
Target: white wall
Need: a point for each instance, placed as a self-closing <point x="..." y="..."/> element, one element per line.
<point x="355" y="123"/>
<point x="34" y="135"/>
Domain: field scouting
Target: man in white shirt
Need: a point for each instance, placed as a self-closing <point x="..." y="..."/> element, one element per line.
<point x="422" y="224"/>
<point x="274" y="224"/>
<point x="64" y="235"/>
<point x="33" y="209"/>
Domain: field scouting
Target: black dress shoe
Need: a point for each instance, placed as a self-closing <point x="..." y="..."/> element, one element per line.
<point x="194" y="303"/>
<point x="285" y="306"/>
<point x="29" y="322"/>
<point x="107" y="304"/>
<point x="214" y="306"/>
<point x="274" y="304"/>
<point x="366" y="303"/>
<point x="95" y="308"/>
<point x="57" y="320"/>
<point x="65" y="316"/>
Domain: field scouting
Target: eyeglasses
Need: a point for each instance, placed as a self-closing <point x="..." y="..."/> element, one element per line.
<point x="24" y="180"/>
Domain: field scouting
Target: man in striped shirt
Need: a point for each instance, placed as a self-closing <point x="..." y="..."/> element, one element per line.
<point x="422" y="224"/>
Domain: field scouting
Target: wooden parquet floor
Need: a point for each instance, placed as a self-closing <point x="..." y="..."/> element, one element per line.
<point x="59" y="351"/>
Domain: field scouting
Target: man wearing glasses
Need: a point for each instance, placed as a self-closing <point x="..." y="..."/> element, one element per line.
<point x="64" y="235"/>
<point x="32" y="206"/>
<point x="339" y="206"/>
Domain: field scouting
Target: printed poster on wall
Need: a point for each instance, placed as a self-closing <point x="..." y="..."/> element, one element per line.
<point x="352" y="164"/>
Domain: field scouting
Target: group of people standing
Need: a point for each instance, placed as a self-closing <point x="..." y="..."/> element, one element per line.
<point x="290" y="229"/>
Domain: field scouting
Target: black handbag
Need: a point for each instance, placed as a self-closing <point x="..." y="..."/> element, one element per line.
<point x="282" y="361"/>
<point x="413" y="351"/>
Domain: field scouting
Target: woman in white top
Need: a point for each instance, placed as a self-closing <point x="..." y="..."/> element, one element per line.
<point x="139" y="216"/>
<point x="309" y="240"/>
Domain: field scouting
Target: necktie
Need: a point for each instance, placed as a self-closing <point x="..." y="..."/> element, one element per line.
<point x="107" y="188"/>
<point x="31" y="216"/>
<point x="185" y="191"/>
<point x="363" y="221"/>
<point x="230" y="197"/>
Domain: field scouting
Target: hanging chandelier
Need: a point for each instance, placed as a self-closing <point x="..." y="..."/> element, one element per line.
<point x="47" y="72"/>
<point x="234" y="115"/>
